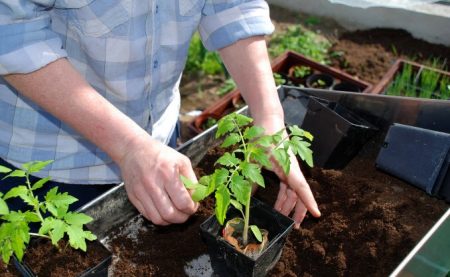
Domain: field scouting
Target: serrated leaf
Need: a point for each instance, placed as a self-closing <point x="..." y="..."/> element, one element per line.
<point x="261" y="157"/>
<point x="241" y="189"/>
<point x="59" y="199"/>
<point x="46" y="226"/>
<point x="15" y="192"/>
<point x="253" y="132"/>
<point x="282" y="157"/>
<point x="3" y="207"/>
<point x="16" y="173"/>
<point x="242" y="120"/>
<point x="228" y="160"/>
<point x="222" y="202"/>
<point x="36" y="166"/>
<point x="296" y="131"/>
<point x="224" y="125"/>
<point x="14" y="216"/>
<point x="188" y="183"/>
<point x="74" y="218"/>
<point x="256" y="232"/>
<point x="237" y="205"/>
<point x="57" y="231"/>
<point x="76" y="237"/>
<point x="252" y="172"/>
<point x="230" y="140"/>
<point x="200" y="193"/>
<point x="264" y="141"/>
<point x="301" y="148"/>
<point x="4" y="169"/>
<point x="31" y="217"/>
<point x="39" y="184"/>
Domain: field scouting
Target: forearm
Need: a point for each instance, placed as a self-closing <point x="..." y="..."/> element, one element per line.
<point x="248" y="63"/>
<point x="63" y="92"/>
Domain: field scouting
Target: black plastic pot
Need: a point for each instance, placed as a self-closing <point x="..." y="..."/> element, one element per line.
<point x="312" y="81"/>
<point x="344" y="86"/>
<point x="227" y="261"/>
<point x="99" y="270"/>
<point x="418" y="156"/>
<point x="338" y="133"/>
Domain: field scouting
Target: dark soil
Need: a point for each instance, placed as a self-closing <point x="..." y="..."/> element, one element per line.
<point x="44" y="259"/>
<point x="370" y="221"/>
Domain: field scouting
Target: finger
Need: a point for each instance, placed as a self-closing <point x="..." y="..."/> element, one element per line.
<point x="301" y="187"/>
<point x="289" y="203"/>
<point x="299" y="214"/>
<point x="180" y="196"/>
<point x="149" y="210"/>
<point x="281" y="196"/>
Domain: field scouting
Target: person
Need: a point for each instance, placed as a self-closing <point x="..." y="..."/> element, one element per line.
<point x="93" y="85"/>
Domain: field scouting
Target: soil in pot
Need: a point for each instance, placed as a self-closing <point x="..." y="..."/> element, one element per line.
<point x="46" y="260"/>
<point x="370" y="221"/>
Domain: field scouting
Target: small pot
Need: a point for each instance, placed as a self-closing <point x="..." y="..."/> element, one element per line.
<point x="338" y="133"/>
<point x="299" y="80"/>
<point x="345" y="86"/>
<point x="320" y="81"/>
<point x="226" y="260"/>
<point x="98" y="270"/>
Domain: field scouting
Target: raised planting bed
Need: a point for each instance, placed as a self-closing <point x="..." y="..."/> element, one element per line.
<point x="370" y="220"/>
<point x="410" y="79"/>
<point x="287" y="69"/>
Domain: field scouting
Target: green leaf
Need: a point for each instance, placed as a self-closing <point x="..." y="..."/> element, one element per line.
<point x="242" y="120"/>
<point x="253" y="132"/>
<point x="3" y="207"/>
<point x="252" y="172"/>
<point x="225" y="125"/>
<point x="76" y="237"/>
<point x="16" y="173"/>
<point x="57" y="229"/>
<point x="256" y="232"/>
<point x="228" y="160"/>
<point x="74" y="218"/>
<point x="282" y="157"/>
<point x="231" y="139"/>
<point x="16" y="191"/>
<point x="260" y="156"/>
<point x="237" y="205"/>
<point x="200" y="193"/>
<point x="31" y="216"/>
<point x="302" y="149"/>
<point x="4" y="169"/>
<point x="241" y="189"/>
<point x="222" y="202"/>
<point x="264" y="141"/>
<point x="59" y="199"/>
<point x="36" y="166"/>
<point x="39" y="184"/>
<point x="188" y="183"/>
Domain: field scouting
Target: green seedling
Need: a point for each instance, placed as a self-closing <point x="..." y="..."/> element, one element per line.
<point x="238" y="169"/>
<point x="279" y="79"/>
<point x="301" y="71"/>
<point x="52" y="214"/>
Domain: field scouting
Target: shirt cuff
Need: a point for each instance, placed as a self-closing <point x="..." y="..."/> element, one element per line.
<point x="228" y="26"/>
<point x="28" y="50"/>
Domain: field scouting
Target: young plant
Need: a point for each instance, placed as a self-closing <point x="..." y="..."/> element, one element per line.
<point x="240" y="167"/>
<point x="52" y="214"/>
<point x="301" y="71"/>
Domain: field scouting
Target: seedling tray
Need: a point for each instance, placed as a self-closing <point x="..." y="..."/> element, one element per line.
<point x="280" y="65"/>
<point x="388" y="78"/>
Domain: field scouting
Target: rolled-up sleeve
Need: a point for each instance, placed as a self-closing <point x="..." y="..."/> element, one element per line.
<point x="225" y="22"/>
<point x="26" y="41"/>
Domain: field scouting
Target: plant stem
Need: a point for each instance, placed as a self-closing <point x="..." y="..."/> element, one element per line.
<point x="39" y="235"/>
<point x="246" y="221"/>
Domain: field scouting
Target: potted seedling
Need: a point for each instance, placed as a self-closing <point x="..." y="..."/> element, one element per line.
<point x="298" y="73"/>
<point x="319" y="81"/>
<point x="52" y="219"/>
<point x="245" y="236"/>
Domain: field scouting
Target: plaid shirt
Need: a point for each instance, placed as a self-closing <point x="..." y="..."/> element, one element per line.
<point x="131" y="51"/>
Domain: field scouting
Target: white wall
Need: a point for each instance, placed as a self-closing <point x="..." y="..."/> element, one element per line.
<point x="429" y="22"/>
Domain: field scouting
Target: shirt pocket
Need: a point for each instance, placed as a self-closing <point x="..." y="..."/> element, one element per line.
<point x="190" y="7"/>
<point x="100" y="17"/>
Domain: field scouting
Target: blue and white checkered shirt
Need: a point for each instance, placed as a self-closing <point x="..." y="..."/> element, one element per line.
<point x="131" y="51"/>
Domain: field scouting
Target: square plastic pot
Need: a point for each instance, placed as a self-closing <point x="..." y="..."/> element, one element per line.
<point x="99" y="270"/>
<point x="419" y="156"/>
<point x="338" y="133"/>
<point x="227" y="261"/>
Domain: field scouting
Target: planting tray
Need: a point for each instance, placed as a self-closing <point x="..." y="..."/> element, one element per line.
<point x="280" y="65"/>
<point x="113" y="209"/>
<point x="382" y="86"/>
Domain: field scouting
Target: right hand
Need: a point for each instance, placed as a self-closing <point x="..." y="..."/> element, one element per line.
<point x="151" y="173"/>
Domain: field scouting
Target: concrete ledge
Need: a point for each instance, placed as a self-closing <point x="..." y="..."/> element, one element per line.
<point x="430" y="22"/>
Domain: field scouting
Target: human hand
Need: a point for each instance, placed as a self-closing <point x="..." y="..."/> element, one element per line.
<point x="151" y="173"/>
<point x="295" y="193"/>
